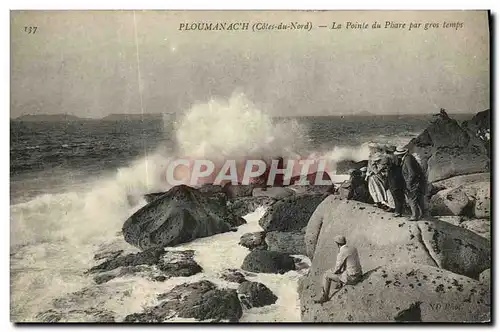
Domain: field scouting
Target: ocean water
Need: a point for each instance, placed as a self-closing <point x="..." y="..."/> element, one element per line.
<point x="74" y="184"/>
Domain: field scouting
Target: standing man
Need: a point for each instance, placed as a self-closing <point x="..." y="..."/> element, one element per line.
<point x="396" y="183"/>
<point x="414" y="180"/>
<point x="347" y="270"/>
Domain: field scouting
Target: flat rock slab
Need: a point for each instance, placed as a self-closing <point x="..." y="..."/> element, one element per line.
<point x="200" y="300"/>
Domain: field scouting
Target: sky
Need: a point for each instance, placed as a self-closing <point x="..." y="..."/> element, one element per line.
<point x="85" y="63"/>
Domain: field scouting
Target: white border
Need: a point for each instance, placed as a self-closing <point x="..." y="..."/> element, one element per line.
<point x="188" y="4"/>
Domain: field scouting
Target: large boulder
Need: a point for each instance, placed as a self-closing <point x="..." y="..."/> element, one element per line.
<point x="472" y="199"/>
<point x="255" y="240"/>
<point x="244" y="205"/>
<point x="181" y="215"/>
<point x="448" y="150"/>
<point x="264" y="261"/>
<point x="290" y="214"/>
<point x="286" y="242"/>
<point x="273" y="192"/>
<point x="399" y="293"/>
<point x="448" y="202"/>
<point x="201" y="300"/>
<point x="255" y="294"/>
<point x="382" y="239"/>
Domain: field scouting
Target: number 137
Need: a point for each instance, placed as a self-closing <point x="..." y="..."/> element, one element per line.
<point x="30" y="30"/>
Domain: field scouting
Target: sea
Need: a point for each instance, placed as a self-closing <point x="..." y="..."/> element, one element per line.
<point x="73" y="184"/>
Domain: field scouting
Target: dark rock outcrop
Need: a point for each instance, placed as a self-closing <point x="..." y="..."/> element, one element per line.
<point x="449" y="150"/>
<point x="286" y="242"/>
<point x="153" y="196"/>
<point x="382" y="239"/>
<point x="290" y="214"/>
<point x="233" y="275"/>
<point x="169" y="263"/>
<point x="265" y="261"/>
<point x="181" y="215"/>
<point x="399" y="293"/>
<point x="254" y="240"/>
<point x="244" y="205"/>
<point x="255" y="294"/>
<point x="480" y="126"/>
<point x="200" y="300"/>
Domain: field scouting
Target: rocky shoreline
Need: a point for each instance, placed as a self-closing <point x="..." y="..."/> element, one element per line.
<point x="433" y="270"/>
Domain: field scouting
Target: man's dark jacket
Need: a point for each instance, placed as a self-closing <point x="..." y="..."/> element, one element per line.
<point x="412" y="172"/>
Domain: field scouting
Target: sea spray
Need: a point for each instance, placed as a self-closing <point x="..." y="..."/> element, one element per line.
<point x="54" y="236"/>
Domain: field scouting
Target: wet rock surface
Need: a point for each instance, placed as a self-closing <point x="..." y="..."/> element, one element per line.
<point x="255" y="294"/>
<point x="181" y="215"/>
<point x="201" y="300"/>
<point x="152" y="264"/>
<point x="290" y="214"/>
<point x="286" y="242"/>
<point x="234" y="275"/>
<point x="264" y="261"/>
<point x="91" y="315"/>
<point x="244" y="205"/>
<point x="254" y="240"/>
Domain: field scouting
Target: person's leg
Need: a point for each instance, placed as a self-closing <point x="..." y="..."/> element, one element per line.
<point x="328" y="278"/>
<point x="399" y="197"/>
<point x="413" y="202"/>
